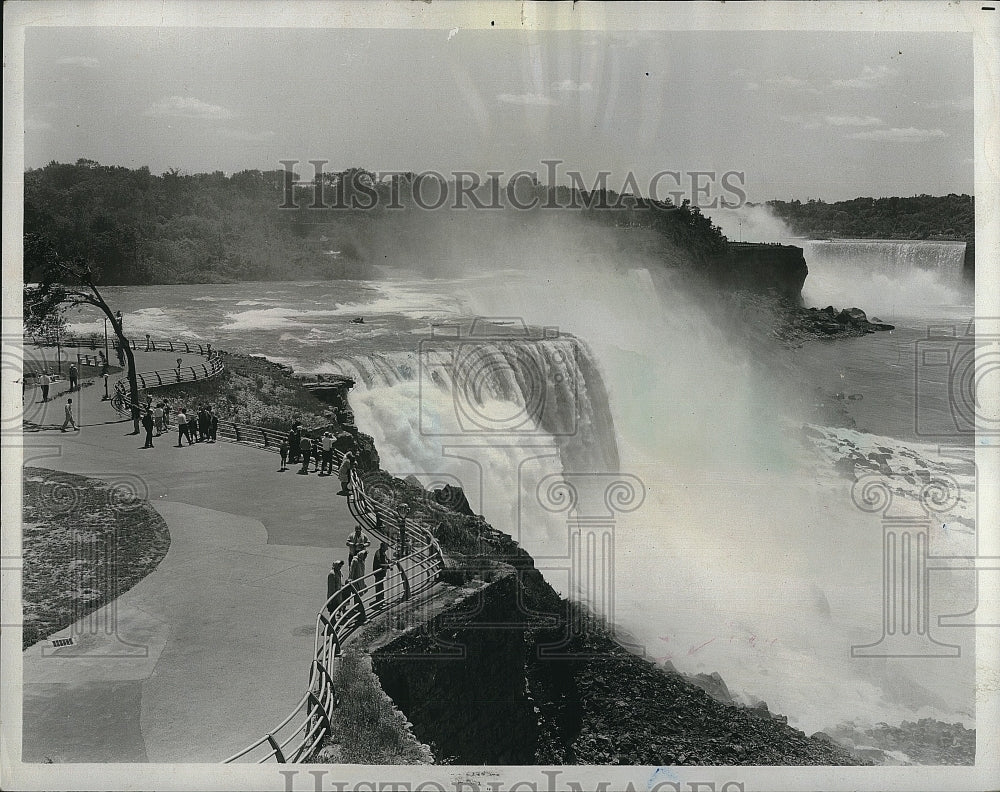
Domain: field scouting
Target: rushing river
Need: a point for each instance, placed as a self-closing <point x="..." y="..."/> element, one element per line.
<point x="739" y="547"/>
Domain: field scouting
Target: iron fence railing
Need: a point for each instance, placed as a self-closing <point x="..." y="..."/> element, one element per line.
<point x="301" y="732"/>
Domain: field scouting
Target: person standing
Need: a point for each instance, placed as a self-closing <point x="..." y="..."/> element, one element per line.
<point x="166" y="415"/>
<point x="305" y="446"/>
<point x="356" y="543"/>
<point x="380" y="566"/>
<point x="46" y="381"/>
<point x="327" y="444"/>
<point x="148" y="423"/>
<point x="158" y="418"/>
<point x="68" y="420"/>
<point x="193" y="427"/>
<point x="334" y="583"/>
<point x="204" y="423"/>
<point x="213" y="425"/>
<point x="358" y="566"/>
<point x="294" y="438"/>
<point x="344" y="473"/>
<point x="283" y="451"/>
<point x="74" y="377"/>
<point x="182" y="426"/>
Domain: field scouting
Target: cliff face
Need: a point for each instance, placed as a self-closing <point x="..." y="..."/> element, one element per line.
<point x="780" y="269"/>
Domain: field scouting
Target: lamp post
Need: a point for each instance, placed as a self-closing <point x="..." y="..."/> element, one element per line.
<point x="119" y="332"/>
<point x="105" y="338"/>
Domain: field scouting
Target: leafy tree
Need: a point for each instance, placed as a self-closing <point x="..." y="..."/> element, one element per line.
<point x="52" y="283"/>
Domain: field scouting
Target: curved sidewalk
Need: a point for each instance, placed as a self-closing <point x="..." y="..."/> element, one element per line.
<point x="214" y="645"/>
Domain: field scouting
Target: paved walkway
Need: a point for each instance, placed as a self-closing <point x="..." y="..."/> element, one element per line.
<point x="210" y="650"/>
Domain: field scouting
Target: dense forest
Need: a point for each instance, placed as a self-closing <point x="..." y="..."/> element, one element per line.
<point x="920" y="217"/>
<point x="140" y="228"/>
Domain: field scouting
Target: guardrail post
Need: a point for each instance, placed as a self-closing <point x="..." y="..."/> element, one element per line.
<point x="187" y="348"/>
<point x="236" y="430"/>
<point x="333" y="632"/>
<point x="193" y="374"/>
<point x="142" y="379"/>
<point x="278" y="755"/>
<point x="205" y="369"/>
<point x="159" y="379"/>
<point x="322" y="711"/>
<point x="406" y="581"/>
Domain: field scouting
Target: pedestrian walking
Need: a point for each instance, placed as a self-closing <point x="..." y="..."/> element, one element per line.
<point x="166" y="415"/>
<point x="46" y="381"/>
<point x="192" y="422"/>
<point x="213" y="425"/>
<point x="148" y="423"/>
<point x="346" y="466"/>
<point x="68" y="420"/>
<point x="305" y="446"/>
<point x="356" y="543"/>
<point x="294" y="438"/>
<point x="74" y="377"/>
<point x="283" y="451"/>
<point x="334" y="584"/>
<point x="106" y="394"/>
<point x="380" y="566"/>
<point x="158" y="418"/>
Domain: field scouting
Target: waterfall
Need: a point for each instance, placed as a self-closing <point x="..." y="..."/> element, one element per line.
<point x="893" y="279"/>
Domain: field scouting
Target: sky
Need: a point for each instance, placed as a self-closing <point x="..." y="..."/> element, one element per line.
<point x="826" y="115"/>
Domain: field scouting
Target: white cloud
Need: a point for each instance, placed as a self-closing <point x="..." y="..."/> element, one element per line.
<point x="868" y="78"/>
<point x="806" y="122"/>
<point x="526" y="99"/>
<point x="188" y="107"/>
<point x="898" y="135"/>
<point x="849" y="120"/>
<point x="247" y="135"/>
<point x="79" y="60"/>
<point x="789" y="83"/>
<point x="35" y="125"/>
<point x="752" y="86"/>
<point x="569" y="85"/>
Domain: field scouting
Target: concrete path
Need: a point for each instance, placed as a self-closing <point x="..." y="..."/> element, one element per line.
<point x="210" y="650"/>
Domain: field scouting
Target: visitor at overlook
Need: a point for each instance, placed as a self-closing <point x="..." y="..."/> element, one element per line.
<point x="283" y="452"/>
<point x="46" y="380"/>
<point x="158" y="418"/>
<point x="334" y="583"/>
<point x="294" y="438"/>
<point x="346" y="466"/>
<point x="148" y="423"/>
<point x="380" y="566"/>
<point x="74" y="377"/>
<point x="327" y="447"/>
<point x="182" y="427"/>
<point x="192" y="422"/>
<point x="213" y="425"/>
<point x="356" y="543"/>
<point x="166" y="415"/>
<point x="305" y="446"/>
<point x="204" y="423"/>
<point x="68" y="420"/>
<point x="358" y="566"/>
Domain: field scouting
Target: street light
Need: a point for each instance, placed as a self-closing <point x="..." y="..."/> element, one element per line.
<point x="119" y="333"/>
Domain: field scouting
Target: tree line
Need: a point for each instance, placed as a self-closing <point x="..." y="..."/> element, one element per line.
<point x="135" y="227"/>
<point x="919" y="217"/>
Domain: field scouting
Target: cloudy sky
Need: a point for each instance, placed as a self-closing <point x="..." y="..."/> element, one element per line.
<point x="828" y="115"/>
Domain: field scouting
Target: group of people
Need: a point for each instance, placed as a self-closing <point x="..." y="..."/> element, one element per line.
<point x="197" y="426"/>
<point x="298" y="447"/>
<point x="357" y="545"/>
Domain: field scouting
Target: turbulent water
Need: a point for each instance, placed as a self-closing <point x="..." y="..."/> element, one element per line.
<point x="715" y="531"/>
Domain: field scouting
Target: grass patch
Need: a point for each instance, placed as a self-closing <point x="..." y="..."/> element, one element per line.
<point x="367" y="729"/>
<point x="85" y="542"/>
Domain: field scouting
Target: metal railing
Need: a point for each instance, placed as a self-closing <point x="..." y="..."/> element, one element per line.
<point x="298" y="736"/>
<point x="156" y="379"/>
<point x="96" y="342"/>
